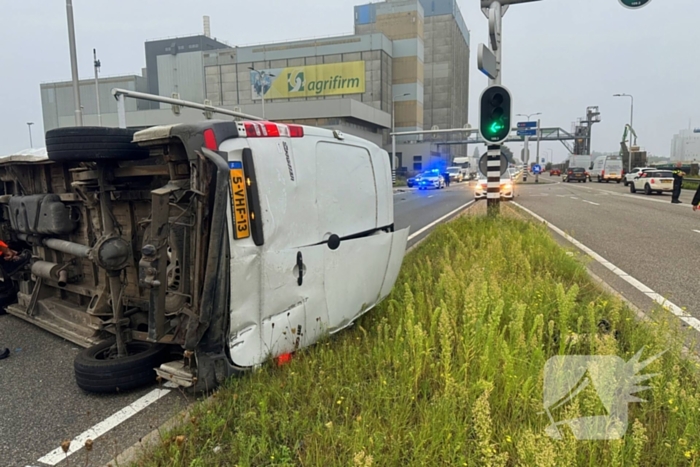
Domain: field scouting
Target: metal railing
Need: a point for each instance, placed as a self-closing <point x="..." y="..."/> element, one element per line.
<point x="122" y="94"/>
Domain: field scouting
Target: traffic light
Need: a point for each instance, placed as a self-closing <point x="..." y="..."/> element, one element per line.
<point x="632" y="4"/>
<point x="495" y="115"/>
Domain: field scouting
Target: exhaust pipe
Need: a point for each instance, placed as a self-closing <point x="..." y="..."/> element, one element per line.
<point x="50" y="271"/>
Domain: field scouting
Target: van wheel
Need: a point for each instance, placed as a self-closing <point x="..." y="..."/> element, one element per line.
<point x="647" y="190"/>
<point x="632" y="188"/>
<point x="97" y="369"/>
<point x="93" y="144"/>
<point x="599" y="180"/>
<point x="624" y="182"/>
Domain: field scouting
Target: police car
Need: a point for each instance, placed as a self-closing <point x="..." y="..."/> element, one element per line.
<point x="431" y="179"/>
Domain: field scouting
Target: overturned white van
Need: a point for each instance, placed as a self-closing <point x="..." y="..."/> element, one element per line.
<point x="198" y="250"/>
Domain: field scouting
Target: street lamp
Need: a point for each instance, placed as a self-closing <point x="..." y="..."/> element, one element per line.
<point x="631" y="124"/>
<point x="393" y="129"/>
<point x="29" y="125"/>
<point x="528" y="115"/>
<point x="261" y="76"/>
<point x="631" y="110"/>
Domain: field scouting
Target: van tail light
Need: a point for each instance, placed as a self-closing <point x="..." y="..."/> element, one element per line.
<point x="296" y="131"/>
<point x="602" y="173"/>
<point x="210" y="140"/>
<point x="272" y="130"/>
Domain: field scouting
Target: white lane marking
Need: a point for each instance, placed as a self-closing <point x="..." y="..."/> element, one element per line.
<point x="573" y="197"/>
<point x="633" y="196"/>
<point x="666" y="304"/>
<point x="449" y="214"/>
<point x="590" y="202"/>
<point x="698" y="231"/>
<point x="561" y="196"/>
<point x="430" y="196"/>
<point x="77" y="443"/>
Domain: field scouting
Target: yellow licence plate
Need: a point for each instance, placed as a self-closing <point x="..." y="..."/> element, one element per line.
<point x="241" y="218"/>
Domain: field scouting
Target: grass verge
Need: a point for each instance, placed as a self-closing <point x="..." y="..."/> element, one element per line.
<point x="690" y="185"/>
<point x="449" y="371"/>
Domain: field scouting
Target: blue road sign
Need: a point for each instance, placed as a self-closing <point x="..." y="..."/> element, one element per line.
<point x="536" y="169"/>
<point x="532" y="132"/>
<point x="527" y="124"/>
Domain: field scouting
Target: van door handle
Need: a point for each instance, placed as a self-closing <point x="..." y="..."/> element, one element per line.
<point x="300" y="267"/>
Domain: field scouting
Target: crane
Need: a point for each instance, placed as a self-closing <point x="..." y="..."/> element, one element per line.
<point x="625" y="150"/>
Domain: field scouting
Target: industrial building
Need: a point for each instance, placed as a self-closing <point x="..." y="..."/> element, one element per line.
<point x="409" y="58"/>
<point x="685" y="146"/>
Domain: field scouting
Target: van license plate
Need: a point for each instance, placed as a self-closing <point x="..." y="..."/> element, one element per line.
<point x="241" y="218"/>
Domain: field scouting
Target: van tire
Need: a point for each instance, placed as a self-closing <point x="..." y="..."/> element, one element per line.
<point x="94" y="372"/>
<point x="93" y="144"/>
<point x="632" y="188"/>
<point x="647" y="190"/>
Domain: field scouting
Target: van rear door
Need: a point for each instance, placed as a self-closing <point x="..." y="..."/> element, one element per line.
<point x="346" y="187"/>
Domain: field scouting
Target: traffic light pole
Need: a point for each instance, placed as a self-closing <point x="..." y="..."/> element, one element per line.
<point x="493" y="179"/>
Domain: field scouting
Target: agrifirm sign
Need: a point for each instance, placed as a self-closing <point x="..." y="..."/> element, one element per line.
<point x="309" y="81"/>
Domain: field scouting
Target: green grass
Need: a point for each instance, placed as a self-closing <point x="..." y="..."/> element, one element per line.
<point x="449" y="371"/>
<point x="400" y="181"/>
<point x="690" y="185"/>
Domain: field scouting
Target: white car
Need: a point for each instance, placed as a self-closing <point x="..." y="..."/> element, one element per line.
<point x="507" y="188"/>
<point x="218" y="245"/>
<point x="633" y="174"/>
<point x="652" y="181"/>
<point x="431" y="180"/>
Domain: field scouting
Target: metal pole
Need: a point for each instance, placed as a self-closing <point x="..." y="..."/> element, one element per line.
<point x="121" y="110"/>
<point x="538" y="140"/>
<point x="29" y="124"/>
<point x="262" y="78"/>
<point x="498" y="13"/>
<point x="74" y="64"/>
<point x="493" y="179"/>
<point x="393" y="136"/>
<point x="97" y="87"/>
<point x="632" y="120"/>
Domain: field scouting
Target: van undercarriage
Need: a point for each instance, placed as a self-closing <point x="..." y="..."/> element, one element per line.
<point x="129" y="251"/>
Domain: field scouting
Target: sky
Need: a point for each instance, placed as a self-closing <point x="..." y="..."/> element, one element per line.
<point x="559" y="56"/>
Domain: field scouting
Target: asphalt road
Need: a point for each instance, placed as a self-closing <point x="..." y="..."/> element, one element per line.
<point x="40" y="404"/>
<point x="647" y="237"/>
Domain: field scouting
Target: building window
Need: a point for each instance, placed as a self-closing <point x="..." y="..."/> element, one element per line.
<point x="417" y="166"/>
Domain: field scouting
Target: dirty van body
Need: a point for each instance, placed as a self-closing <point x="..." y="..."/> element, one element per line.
<point x="197" y="250"/>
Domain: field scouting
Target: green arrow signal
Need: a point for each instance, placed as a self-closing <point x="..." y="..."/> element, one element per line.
<point x="495" y="127"/>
